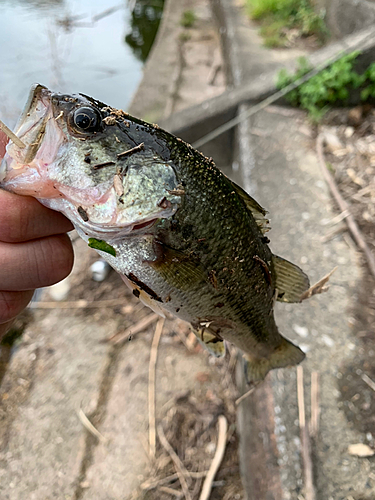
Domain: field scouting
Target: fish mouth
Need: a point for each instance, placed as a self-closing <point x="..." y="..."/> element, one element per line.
<point x="32" y="123"/>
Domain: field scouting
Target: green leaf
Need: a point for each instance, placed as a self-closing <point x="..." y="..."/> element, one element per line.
<point x="101" y="245"/>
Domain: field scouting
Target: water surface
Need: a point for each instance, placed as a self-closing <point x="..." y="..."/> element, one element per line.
<point x="72" y="46"/>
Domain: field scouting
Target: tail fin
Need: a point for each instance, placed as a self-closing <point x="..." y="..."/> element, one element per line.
<point x="286" y="354"/>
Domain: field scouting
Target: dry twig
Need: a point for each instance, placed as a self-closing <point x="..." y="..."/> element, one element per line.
<point x="319" y="287"/>
<point x="368" y="381"/>
<point x="315" y="409"/>
<point x="171" y="491"/>
<point x="151" y="484"/>
<point x="117" y="338"/>
<point x="180" y="468"/>
<point x="89" y="427"/>
<point x="151" y="387"/>
<point x="219" y="454"/>
<point x="247" y="394"/>
<point x="352" y="225"/>
<point x="76" y="304"/>
<point x="12" y="136"/>
<point x="305" y="438"/>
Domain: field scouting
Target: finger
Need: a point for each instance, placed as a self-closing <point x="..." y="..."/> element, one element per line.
<point x="23" y="218"/>
<point x="12" y="303"/>
<point x="4" y="139"/>
<point x="34" y="264"/>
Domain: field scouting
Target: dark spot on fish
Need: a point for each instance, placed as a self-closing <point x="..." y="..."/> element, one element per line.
<point x="144" y="287"/>
<point x="164" y="203"/>
<point x="101" y="165"/>
<point x="178" y="308"/>
<point x="87" y="159"/>
<point x="265" y="269"/>
<point x="136" y="292"/>
<point x="82" y="212"/>
<point x="129" y="339"/>
<point x="219" y="305"/>
<point x="265" y="240"/>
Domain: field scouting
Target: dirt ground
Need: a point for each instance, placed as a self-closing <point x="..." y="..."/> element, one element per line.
<point x="350" y="153"/>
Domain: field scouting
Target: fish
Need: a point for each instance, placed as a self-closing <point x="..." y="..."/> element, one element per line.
<point x="184" y="238"/>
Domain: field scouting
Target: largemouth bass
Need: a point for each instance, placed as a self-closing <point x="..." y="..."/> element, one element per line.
<point x="183" y="237"/>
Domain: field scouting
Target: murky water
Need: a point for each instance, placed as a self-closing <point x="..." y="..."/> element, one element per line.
<point x="95" y="47"/>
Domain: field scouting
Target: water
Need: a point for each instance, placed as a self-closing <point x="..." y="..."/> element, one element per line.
<point x="91" y="46"/>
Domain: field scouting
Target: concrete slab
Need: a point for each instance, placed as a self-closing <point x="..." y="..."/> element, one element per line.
<point x="290" y="185"/>
<point x="275" y="152"/>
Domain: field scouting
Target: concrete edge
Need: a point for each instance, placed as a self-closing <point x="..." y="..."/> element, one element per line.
<point x="212" y="110"/>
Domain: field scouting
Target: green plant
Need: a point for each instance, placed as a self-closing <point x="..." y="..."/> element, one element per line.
<point x="329" y="86"/>
<point x="369" y="91"/>
<point x="279" y="16"/>
<point x="188" y="18"/>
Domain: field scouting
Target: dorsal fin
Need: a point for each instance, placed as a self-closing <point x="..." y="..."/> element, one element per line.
<point x="291" y="281"/>
<point x="253" y="206"/>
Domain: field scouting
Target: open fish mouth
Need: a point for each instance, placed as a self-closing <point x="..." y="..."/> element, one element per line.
<point x="32" y="123"/>
<point x="67" y="138"/>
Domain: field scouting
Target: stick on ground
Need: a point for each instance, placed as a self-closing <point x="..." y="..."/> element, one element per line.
<point x="315" y="409"/>
<point x="137" y="328"/>
<point x="305" y="438"/>
<point x="352" y="225"/>
<point x="219" y="454"/>
<point x="180" y="468"/>
<point x="89" y="427"/>
<point x="151" y="387"/>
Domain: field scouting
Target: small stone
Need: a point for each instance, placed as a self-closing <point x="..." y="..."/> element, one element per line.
<point x="327" y="340"/>
<point x="333" y="143"/>
<point x="99" y="270"/>
<point x="349" y="131"/>
<point x="360" y="450"/>
<point x="302" y="331"/>
<point x="355" y="116"/>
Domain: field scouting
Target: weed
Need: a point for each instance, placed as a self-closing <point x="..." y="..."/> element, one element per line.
<point x="184" y="36"/>
<point x="188" y="18"/>
<point x="279" y="16"/>
<point x="332" y="85"/>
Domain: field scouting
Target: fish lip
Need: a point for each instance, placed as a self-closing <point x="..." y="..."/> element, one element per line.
<point x="35" y="93"/>
<point x="32" y="122"/>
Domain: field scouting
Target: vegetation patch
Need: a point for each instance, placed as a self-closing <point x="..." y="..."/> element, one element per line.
<point x="188" y="19"/>
<point x="283" y="21"/>
<point x="333" y="85"/>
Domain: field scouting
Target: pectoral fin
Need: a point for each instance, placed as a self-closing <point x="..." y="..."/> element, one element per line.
<point x="291" y="281"/>
<point x="177" y="268"/>
<point x="286" y="354"/>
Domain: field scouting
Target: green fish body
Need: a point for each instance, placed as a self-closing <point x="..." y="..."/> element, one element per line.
<point x="184" y="237"/>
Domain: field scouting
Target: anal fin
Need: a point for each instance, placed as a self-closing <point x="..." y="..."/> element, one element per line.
<point x="291" y="281"/>
<point x="286" y="354"/>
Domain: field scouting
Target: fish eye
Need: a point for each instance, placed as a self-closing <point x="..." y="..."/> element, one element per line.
<point x="87" y="119"/>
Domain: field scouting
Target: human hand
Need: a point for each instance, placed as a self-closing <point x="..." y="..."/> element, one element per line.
<point x="34" y="250"/>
